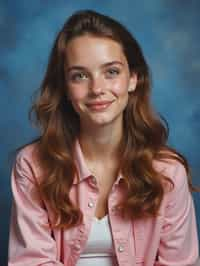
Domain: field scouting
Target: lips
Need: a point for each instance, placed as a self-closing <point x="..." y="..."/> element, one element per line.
<point x="99" y="105"/>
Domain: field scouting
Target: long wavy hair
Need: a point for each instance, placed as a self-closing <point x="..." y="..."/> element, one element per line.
<point x="145" y="132"/>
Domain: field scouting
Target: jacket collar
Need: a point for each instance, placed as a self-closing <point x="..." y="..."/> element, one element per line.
<point x="83" y="171"/>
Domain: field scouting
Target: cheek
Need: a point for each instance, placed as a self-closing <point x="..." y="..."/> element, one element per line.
<point x="120" y="88"/>
<point x="76" y="94"/>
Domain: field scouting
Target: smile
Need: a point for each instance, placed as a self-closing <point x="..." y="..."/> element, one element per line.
<point x="99" y="106"/>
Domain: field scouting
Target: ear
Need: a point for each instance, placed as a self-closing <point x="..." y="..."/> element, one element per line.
<point x="132" y="82"/>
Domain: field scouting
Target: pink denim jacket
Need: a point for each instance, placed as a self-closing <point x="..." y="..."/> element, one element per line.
<point x="168" y="240"/>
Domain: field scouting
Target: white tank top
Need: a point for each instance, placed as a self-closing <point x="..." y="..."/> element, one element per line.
<point x="99" y="250"/>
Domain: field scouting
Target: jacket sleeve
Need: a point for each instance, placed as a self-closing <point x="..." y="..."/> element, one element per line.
<point x="179" y="238"/>
<point x="30" y="239"/>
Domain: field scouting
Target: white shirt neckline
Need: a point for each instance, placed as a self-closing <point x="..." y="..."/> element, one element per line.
<point x="100" y="220"/>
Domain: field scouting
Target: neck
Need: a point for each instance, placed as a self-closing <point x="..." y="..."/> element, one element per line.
<point x="101" y="144"/>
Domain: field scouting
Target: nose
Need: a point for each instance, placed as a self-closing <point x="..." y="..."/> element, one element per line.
<point x="96" y="86"/>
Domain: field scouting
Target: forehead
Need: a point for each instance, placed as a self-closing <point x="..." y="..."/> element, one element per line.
<point x="88" y="49"/>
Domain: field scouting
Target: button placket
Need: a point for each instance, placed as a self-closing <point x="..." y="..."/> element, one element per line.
<point x="120" y="248"/>
<point x="90" y="204"/>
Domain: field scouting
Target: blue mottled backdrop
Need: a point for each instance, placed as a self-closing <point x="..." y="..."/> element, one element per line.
<point x="168" y="31"/>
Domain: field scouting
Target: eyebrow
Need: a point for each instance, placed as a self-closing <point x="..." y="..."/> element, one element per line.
<point x="77" y="67"/>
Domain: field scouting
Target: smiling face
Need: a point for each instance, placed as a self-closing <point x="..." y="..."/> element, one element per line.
<point x="98" y="80"/>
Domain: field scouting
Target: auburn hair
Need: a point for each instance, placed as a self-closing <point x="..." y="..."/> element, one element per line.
<point x="145" y="132"/>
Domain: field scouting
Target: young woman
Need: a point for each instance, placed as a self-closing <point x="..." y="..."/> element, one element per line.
<point x="100" y="186"/>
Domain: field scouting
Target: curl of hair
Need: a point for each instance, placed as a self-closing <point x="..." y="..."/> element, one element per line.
<point x="145" y="133"/>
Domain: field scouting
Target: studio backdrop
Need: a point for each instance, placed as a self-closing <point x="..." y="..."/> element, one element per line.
<point x="168" y="31"/>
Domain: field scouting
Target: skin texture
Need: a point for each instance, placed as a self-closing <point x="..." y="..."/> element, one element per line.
<point x="91" y="82"/>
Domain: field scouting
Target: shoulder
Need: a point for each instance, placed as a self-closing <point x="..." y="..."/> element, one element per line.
<point x="27" y="155"/>
<point x="175" y="171"/>
<point x="26" y="162"/>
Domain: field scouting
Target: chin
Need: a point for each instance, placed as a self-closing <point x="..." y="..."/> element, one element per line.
<point x="105" y="121"/>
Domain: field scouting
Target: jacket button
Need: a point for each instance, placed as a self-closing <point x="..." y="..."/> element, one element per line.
<point x="77" y="247"/>
<point x="94" y="181"/>
<point x="120" y="248"/>
<point x="90" y="204"/>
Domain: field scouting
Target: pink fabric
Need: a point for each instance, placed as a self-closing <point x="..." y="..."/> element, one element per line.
<point x="171" y="237"/>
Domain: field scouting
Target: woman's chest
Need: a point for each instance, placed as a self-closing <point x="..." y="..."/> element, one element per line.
<point x="131" y="239"/>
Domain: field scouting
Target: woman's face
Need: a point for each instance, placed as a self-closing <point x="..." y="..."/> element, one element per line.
<point x="98" y="80"/>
